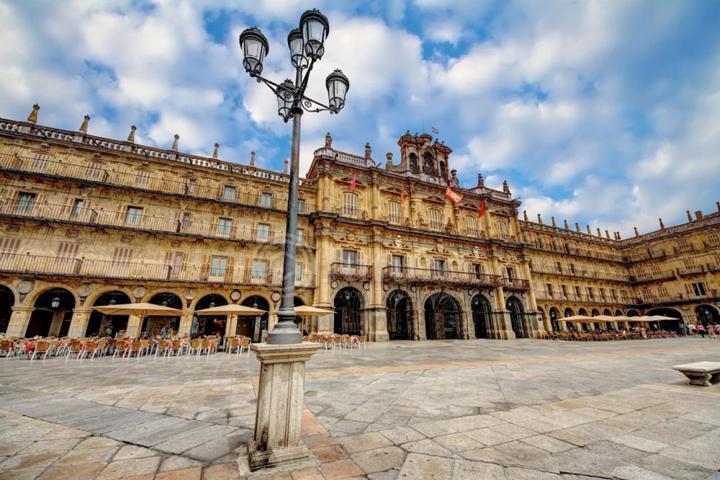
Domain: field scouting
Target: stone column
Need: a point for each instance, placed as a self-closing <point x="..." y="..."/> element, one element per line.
<point x="377" y="315"/>
<point x="19" y="321"/>
<point x="325" y="324"/>
<point x="57" y="321"/>
<point x="278" y="420"/>
<point x="79" y="322"/>
<point x="323" y="260"/>
<point x="133" y="326"/>
<point x="231" y="326"/>
<point x="186" y="321"/>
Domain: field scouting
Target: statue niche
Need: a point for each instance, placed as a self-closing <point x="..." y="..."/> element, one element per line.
<point x="429" y="164"/>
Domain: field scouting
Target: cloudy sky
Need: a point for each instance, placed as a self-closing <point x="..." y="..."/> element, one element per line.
<point x="602" y="112"/>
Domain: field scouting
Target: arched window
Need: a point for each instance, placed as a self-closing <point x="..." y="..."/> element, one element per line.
<point x="414" y="166"/>
<point x="428" y="164"/>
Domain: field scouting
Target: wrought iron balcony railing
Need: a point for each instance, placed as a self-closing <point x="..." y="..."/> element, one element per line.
<point x="436" y="276"/>
<point x="153" y="223"/>
<point x="138" y="270"/>
<point x="350" y="271"/>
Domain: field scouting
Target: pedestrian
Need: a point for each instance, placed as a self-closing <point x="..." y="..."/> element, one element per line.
<point x="701" y="330"/>
<point x="717" y="329"/>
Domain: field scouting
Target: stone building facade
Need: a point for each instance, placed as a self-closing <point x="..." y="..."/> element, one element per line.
<point x="88" y="221"/>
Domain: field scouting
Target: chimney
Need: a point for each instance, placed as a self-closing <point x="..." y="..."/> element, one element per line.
<point x="368" y="151"/>
<point x="175" y="143"/>
<point x="698" y="214"/>
<point x="215" y="150"/>
<point x="577" y="227"/>
<point x="539" y="219"/>
<point x="285" y="167"/>
<point x="688" y="215"/>
<point x="131" y="135"/>
<point x="565" y="224"/>
<point x="252" y="159"/>
<point x="553" y="221"/>
<point x="525" y="215"/>
<point x="33" y="117"/>
<point x="662" y="225"/>
<point x="86" y="121"/>
<point x="636" y="232"/>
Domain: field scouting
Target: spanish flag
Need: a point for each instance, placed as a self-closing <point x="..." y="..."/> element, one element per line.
<point x="353" y="182"/>
<point x="452" y="195"/>
<point x="482" y="208"/>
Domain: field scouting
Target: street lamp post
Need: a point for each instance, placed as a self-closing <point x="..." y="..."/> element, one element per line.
<point x="278" y="419"/>
<point x="307" y="46"/>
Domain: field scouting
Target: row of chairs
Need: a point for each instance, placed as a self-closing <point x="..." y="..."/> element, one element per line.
<point x="54" y="348"/>
<point x="338" y="342"/>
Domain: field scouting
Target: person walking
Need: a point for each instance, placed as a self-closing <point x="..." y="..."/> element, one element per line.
<point x="701" y="330"/>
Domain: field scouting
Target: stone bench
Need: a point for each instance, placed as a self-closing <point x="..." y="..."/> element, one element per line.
<point x="701" y="373"/>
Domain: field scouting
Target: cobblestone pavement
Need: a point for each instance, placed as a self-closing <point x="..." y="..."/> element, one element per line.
<point x="479" y="409"/>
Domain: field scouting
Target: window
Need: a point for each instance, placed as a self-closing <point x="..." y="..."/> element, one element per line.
<point x="40" y="161"/>
<point x="564" y="290"/>
<point x="298" y="273"/>
<point x="301" y="205"/>
<point x="435" y="219"/>
<point x="263" y="232"/>
<point x="349" y="204"/>
<point x="133" y="216"/>
<point x="259" y="269"/>
<point x="178" y="262"/>
<point x="477" y="270"/>
<point x="591" y="294"/>
<point x="602" y="293"/>
<point x="266" y="199"/>
<point x="142" y="178"/>
<point x="93" y="170"/>
<point x="185" y="222"/>
<point x="228" y="193"/>
<point x="510" y="273"/>
<point x="77" y="208"/>
<point x="472" y="225"/>
<point x="549" y="289"/>
<point x="439" y="266"/>
<point x="25" y="202"/>
<point x="218" y="266"/>
<point x="699" y="289"/>
<point x="558" y="266"/>
<point x="122" y="255"/>
<point x="577" y="292"/>
<point x="300" y="236"/>
<point x="613" y="293"/>
<point x="349" y="257"/>
<point x="224" y="226"/>
<point x="572" y="269"/>
<point x="191" y="186"/>
<point x="394" y="210"/>
<point x="397" y="262"/>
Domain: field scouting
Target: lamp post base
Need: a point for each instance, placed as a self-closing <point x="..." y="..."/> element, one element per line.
<point x="278" y="421"/>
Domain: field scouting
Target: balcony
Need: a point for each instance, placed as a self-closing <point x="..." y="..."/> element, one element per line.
<point x="515" y="284"/>
<point x="143" y="222"/>
<point x="93" y="173"/>
<point x="582" y="298"/>
<point x="428" y="276"/>
<point x="351" y="272"/>
<point x="139" y="270"/>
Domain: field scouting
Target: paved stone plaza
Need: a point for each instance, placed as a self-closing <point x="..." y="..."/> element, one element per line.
<point x="480" y="409"/>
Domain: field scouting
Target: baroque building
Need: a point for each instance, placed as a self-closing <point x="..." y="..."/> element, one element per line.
<point x="88" y="221"/>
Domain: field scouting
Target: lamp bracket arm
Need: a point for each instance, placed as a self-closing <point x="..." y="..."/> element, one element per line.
<point x="313" y="106"/>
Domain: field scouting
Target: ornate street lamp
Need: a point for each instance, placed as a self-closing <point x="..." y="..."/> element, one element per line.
<point x="307" y="45"/>
<point x="55" y="302"/>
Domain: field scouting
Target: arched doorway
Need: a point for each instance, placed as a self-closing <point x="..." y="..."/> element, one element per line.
<point x="163" y="325"/>
<point x="52" y="314"/>
<point x="399" y="315"/>
<point x="101" y="324"/>
<point x="481" y="316"/>
<point x="254" y="326"/>
<point x="205" y="325"/>
<point x="348" y="312"/>
<point x="569" y="313"/>
<point x="442" y="317"/>
<point x="7" y="300"/>
<point x="707" y="315"/>
<point x="632" y="313"/>
<point x="607" y="312"/>
<point x="554" y="314"/>
<point x="515" y="308"/>
<point x="670" y="325"/>
<point x="618" y="313"/>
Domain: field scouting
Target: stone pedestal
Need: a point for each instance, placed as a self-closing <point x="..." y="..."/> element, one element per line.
<point x="376" y="326"/>
<point x="278" y="421"/>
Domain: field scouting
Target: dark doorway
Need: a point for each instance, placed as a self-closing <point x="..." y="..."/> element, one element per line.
<point x="163" y="325"/>
<point x="205" y="325"/>
<point x="517" y="315"/>
<point x="254" y="326"/>
<point x="481" y="316"/>
<point x="7" y="300"/>
<point x="399" y="315"/>
<point x="107" y="325"/>
<point x="442" y="317"/>
<point x="554" y="314"/>
<point x="348" y="312"/>
<point x="52" y="314"/>
<point x="707" y="315"/>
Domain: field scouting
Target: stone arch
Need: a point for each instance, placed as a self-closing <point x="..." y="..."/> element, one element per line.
<point x="568" y="312"/>
<point x="157" y="325"/>
<point x="607" y="312"/>
<point x="482" y="316"/>
<point x="349" y="304"/>
<point x="595" y="312"/>
<point x="399" y="313"/>
<point x="100" y="324"/>
<point x="93" y="297"/>
<point x="164" y="291"/>
<point x="706" y="314"/>
<point x="632" y="313"/>
<point x="674" y="325"/>
<point x="443" y="317"/>
<point x="204" y="325"/>
<point x="253" y="327"/>
<point x="554" y="315"/>
<point x="32" y="297"/>
<point x="582" y="311"/>
<point x="618" y="312"/>
<point x="52" y="313"/>
<point x="7" y="301"/>
<point x="517" y="317"/>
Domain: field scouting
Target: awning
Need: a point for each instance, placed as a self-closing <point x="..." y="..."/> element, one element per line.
<point x="231" y="309"/>
<point x="308" y="311"/>
<point x="139" y="309"/>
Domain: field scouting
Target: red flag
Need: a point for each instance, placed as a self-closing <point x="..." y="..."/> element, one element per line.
<point x="452" y="195"/>
<point x="353" y="182"/>
<point x="482" y="208"/>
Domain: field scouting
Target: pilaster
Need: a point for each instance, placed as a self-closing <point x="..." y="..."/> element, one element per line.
<point x="79" y="322"/>
<point x="19" y="321"/>
<point x="186" y="321"/>
<point x="133" y="326"/>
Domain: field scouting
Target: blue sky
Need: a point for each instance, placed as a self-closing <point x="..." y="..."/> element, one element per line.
<point x="603" y="112"/>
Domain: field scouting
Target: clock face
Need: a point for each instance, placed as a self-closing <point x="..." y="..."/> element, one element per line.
<point x="275" y="296"/>
<point x="235" y="295"/>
